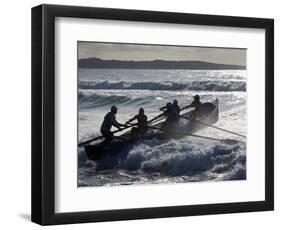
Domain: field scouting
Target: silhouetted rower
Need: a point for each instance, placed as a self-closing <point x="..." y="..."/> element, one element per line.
<point x="196" y="103"/>
<point x="172" y="117"/>
<point x="108" y="122"/>
<point x="175" y="105"/>
<point x="142" y="123"/>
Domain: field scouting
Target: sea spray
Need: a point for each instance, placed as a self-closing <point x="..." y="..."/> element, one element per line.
<point x="177" y="158"/>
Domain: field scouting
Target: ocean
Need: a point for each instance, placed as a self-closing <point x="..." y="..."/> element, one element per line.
<point x="188" y="159"/>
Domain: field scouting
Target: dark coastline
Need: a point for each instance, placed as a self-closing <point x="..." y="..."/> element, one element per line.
<point x="155" y="64"/>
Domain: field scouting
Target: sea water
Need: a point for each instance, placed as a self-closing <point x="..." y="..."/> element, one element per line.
<point x="156" y="161"/>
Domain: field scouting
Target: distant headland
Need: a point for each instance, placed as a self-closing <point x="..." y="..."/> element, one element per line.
<point x="98" y="63"/>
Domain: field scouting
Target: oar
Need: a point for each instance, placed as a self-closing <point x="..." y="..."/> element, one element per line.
<point x="119" y="130"/>
<point x="100" y="137"/>
<point x="161" y="115"/>
<point x="226" y="141"/>
<point x="186" y="107"/>
<point x="215" y="127"/>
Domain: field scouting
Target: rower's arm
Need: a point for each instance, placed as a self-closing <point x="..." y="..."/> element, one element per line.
<point x="163" y="108"/>
<point x="132" y="119"/>
<point x="116" y="124"/>
<point x="188" y="106"/>
<point x="155" y="118"/>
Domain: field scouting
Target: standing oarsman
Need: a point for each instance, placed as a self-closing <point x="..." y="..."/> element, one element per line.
<point x="108" y="122"/>
<point x="196" y="104"/>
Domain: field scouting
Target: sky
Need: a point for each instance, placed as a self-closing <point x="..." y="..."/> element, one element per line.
<point x="139" y="52"/>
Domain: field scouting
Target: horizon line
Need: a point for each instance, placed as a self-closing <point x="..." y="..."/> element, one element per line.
<point x="159" y="60"/>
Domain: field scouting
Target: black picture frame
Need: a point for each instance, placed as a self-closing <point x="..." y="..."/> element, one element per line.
<point x="43" y="114"/>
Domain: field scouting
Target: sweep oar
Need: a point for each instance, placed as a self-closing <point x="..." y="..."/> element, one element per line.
<point x="215" y="127"/>
<point x="226" y="141"/>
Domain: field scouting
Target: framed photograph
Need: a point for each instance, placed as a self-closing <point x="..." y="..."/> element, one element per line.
<point x="142" y="114"/>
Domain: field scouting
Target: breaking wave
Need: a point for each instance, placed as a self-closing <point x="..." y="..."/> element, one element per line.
<point x="90" y="99"/>
<point x="177" y="158"/>
<point x="167" y="85"/>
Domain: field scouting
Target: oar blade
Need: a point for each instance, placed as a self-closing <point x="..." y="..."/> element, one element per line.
<point x="232" y="141"/>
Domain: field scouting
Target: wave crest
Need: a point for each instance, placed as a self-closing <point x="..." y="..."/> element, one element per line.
<point x="90" y="99"/>
<point x="167" y="85"/>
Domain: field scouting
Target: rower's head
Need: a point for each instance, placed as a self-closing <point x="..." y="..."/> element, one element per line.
<point x="141" y="111"/>
<point x="175" y="102"/>
<point x="113" y="109"/>
<point x="196" y="98"/>
<point x="169" y="105"/>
